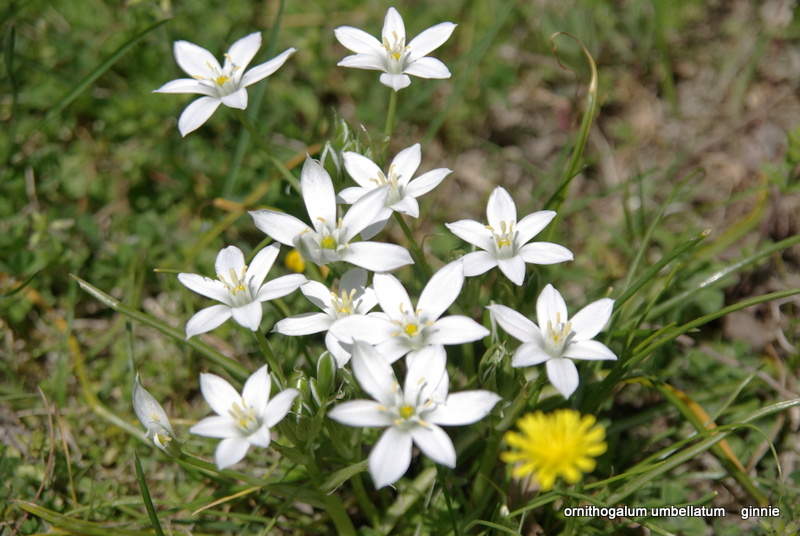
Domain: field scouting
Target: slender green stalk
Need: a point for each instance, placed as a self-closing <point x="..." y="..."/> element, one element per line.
<point x="335" y="509"/>
<point x="416" y="250"/>
<point x="390" y="114"/>
<point x="269" y="355"/>
<point x="148" y="502"/>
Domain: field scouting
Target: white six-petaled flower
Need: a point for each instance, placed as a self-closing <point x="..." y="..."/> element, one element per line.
<point x="391" y="55"/>
<point x="241" y="420"/>
<point x="411" y="414"/>
<point x="406" y="330"/>
<point x="504" y="241"/>
<point x="557" y="340"/>
<point x="220" y="84"/>
<point x="328" y="238"/>
<point x="240" y="288"/>
<point x="352" y="297"/>
<point x="403" y="192"/>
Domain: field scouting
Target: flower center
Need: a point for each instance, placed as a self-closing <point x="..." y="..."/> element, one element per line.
<point x="504" y="239"/>
<point x="245" y="417"/>
<point x="236" y="285"/>
<point x="390" y="181"/>
<point x="406" y="412"/>
<point x="395" y="50"/>
<point x="343" y="305"/>
<point x="328" y="242"/>
<point x="412" y="327"/>
<point x="411" y="330"/>
<point x="559" y="335"/>
<point x="220" y="78"/>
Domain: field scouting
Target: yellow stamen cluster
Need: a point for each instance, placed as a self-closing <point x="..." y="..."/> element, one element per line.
<point x="506" y="235"/>
<point x="396" y="49"/>
<point x="559" y="444"/>
<point x="244" y="415"/>
<point x="343" y="304"/>
<point x="237" y="281"/>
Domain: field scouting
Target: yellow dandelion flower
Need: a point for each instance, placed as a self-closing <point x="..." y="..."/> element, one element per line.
<point x="562" y="443"/>
<point x="294" y="262"/>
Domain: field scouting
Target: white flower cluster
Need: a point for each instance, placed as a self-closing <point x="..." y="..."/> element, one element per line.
<point x="411" y="412"/>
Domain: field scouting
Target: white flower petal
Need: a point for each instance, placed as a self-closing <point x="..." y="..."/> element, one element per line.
<point x="350" y="195"/>
<point x="216" y="426"/>
<point x="478" y="262"/>
<point x="340" y="355"/>
<point x="427" y="182"/>
<point x="406" y="162"/>
<point x="256" y="390"/>
<point x="563" y="374"/>
<point x="358" y="41"/>
<point x="395" y="81"/>
<point x="426" y="373"/>
<point x="219" y="394"/>
<point x="456" y="329"/>
<point x="363" y="61"/>
<point x="441" y="291"/>
<point x="279" y="406"/>
<point x="280" y="287"/>
<point x="194" y="60"/>
<point x="533" y="224"/>
<point x="207" y="319"/>
<point x="353" y="279"/>
<point x="390" y="457"/>
<point x="393" y="27"/>
<point x="550" y="306"/>
<point x="428" y="68"/>
<point x="186" y="85"/>
<point x="361" y="413"/>
<point x="237" y="99"/>
<point x="473" y="232"/>
<point x="530" y="354"/>
<point x="261" y="265"/>
<point x="429" y="40"/>
<point x="590" y="351"/>
<point x="318" y="194"/>
<point x="243" y="51"/>
<point x="317" y="293"/>
<point x="210" y="288"/>
<point x="513" y="268"/>
<point x="374" y="373"/>
<point x="392" y="295"/>
<point x="378" y="256"/>
<point x="515" y="324"/>
<point x="197" y="113"/>
<point x="248" y="315"/>
<point x="500" y="208"/>
<point x="591" y="320"/>
<point x="361" y="169"/>
<point x="369" y="329"/>
<point x="259" y="72"/>
<point x="260" y="438"/>
<point x="435" y="444"/>
<point x="229" y="258"/>
<point x="363" y="212"/>
<point x="230" y="451"/>
<point x="278" y="225"/>
<point x="544" y="253"/>
<point x="464" y="408"/>
<point x="303" y="324"/>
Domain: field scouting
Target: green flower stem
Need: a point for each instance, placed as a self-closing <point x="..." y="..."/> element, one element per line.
<point x="390" y="113"/>
<point x="365" y="504"/>
<point x="416" y="251"/>
<point x="270" y="357"/>
<point x="332" y="505"/>
<point x="262" y="143"/>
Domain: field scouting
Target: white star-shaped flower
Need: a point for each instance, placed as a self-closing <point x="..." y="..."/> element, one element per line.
<point x="505" y="240"/>
<point x="406" y="330"/>
<point x="328" y="238"/>
<point x="352" y="297"/>
<point x="241" y="420"/>
<point x="412" y="414"/>
<point x="391" y="55"/>
<point x="240" y="288"/>
<point x="154" y="418"/>
<point x="221" y="84"/>
<point x="403" y="191"/>
<point x="557" y="340"/>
